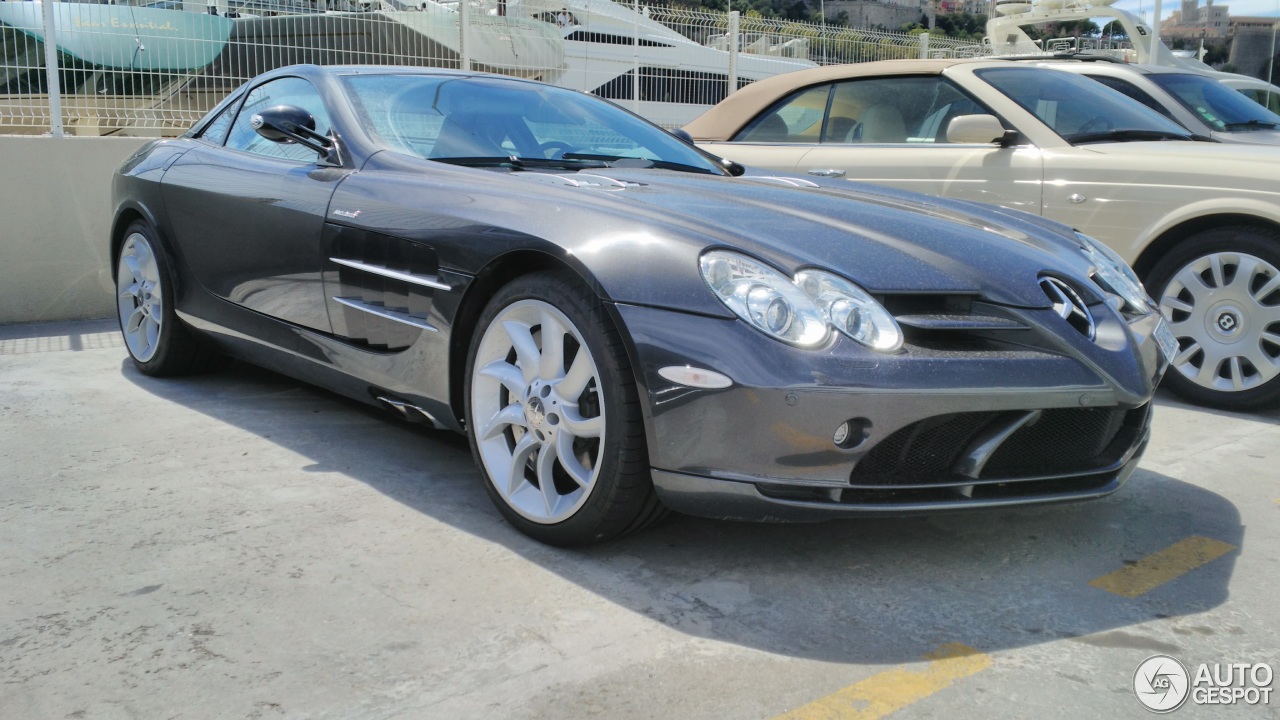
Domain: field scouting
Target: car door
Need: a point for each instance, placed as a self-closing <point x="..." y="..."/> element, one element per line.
<point x="889" y="131"/>
<point x="250" y="212"/>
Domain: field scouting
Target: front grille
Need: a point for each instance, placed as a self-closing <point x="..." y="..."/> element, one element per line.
<point x="954" y="323"/>
<point x="922" y="452"/>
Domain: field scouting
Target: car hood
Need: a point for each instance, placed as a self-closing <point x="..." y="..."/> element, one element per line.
<point x="888" y="241"/>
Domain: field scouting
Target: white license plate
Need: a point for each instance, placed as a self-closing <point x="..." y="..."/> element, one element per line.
<point x="1165" y="339"/>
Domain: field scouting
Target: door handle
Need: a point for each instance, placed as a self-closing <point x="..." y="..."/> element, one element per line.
<point x="831" y="172"/>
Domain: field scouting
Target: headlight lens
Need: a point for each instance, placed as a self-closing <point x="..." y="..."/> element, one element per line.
<point x="1114" y="273"/>
<point x="799" y="311"/>
<point x="764" y="297"/>
<point x="850" y="310"/>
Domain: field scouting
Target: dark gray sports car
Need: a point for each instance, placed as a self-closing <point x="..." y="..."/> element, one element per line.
<point x="623" y="323"/>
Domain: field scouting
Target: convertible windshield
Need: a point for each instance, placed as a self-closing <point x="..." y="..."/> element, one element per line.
<point x="512" y="124"/>
<point x="1080" y="110"/>
<point x="1217" y="105"/>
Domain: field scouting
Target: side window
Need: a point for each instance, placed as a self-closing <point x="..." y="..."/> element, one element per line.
<point x="797" y="119"/>
<point x="1127" y="88"/>
<point x="912" y="110"/>
<point x="216" y="131"/>
<point x="284" y="91"/>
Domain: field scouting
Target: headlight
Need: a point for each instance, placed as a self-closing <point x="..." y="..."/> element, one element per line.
<point x="849" y="309"/>
<point x="764" y="297"/>
<point x="1114" y="274"/>
<point x="798" y="311"/>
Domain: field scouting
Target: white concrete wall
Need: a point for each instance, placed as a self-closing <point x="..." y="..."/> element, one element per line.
<point x="55" y="218"/>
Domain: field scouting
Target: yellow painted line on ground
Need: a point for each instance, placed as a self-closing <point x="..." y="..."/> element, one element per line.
<point x="1159" y="568"/>
<point x="895" y="689"/>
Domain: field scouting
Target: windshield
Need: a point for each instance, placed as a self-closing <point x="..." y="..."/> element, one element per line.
<point x="495" y="122"/>
<point x="1220" y="107"/>
<point x="1078" y="109"/>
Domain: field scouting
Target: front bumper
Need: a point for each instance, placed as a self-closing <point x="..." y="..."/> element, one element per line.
<point x="931" y="429"/>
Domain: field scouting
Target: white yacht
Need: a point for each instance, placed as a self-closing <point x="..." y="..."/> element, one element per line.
<point x="612" y="50"/>
<point x="619" y="52"/>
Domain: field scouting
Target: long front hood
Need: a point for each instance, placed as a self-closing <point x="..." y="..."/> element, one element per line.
<point x="885" y="240"/>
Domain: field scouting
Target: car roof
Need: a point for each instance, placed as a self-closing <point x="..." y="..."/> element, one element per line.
<point x="727" y="116"/>
<point x="308" y="70"/>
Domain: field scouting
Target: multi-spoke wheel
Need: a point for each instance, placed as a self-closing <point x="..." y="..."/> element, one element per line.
<point x="157" y="341"/>
<point x="553" y="415"/>
<point x="1220" y="291"/>
<point x="140" y="297"/>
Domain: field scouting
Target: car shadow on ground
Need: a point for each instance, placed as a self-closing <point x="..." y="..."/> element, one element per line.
<point x="865" y="591"/>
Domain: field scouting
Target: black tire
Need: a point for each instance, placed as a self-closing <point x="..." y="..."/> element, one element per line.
<point x="1213" y="288"/>
<point x="619" y="498"/>
<point x="144" y="281"/>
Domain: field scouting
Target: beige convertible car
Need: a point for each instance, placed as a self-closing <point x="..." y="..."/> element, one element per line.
<point x="1198" y="220"/>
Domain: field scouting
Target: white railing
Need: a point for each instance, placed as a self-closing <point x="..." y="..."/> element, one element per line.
<point x="92" y="69"/>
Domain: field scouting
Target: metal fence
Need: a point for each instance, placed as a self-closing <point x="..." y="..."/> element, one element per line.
<point x="89" y="68"/>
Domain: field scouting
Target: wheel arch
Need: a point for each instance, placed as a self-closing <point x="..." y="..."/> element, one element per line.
<point x="486" y="283"/>
<point x="126" y="216"/>
<point x="1173" y="236"/>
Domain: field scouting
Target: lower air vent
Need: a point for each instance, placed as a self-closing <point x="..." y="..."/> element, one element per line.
<point x="921" y="452"/>
<point x="1060" y="441"/>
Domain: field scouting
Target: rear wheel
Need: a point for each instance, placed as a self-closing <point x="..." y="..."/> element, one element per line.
<point x="158" y="342"/>
<point x="1220" y="291"/>
<point x="554" y="418"/>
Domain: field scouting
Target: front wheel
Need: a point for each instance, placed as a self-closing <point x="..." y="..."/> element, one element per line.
<point x="158" y="342"/>
<point x="1220" y="291"/>
<point x="554" y="418"/>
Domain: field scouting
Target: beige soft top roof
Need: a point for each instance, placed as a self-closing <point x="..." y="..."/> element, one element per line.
<point x="725" y="119"/>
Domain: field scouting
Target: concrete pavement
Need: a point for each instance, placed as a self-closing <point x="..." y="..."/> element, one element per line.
<point x="239" y="545"/>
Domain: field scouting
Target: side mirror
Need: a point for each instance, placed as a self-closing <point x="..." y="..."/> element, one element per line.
<point x="734" y="169"/>
<point x="731" y="167"/>
<point x="978" y="129"/>
<point x="289" y="123"/>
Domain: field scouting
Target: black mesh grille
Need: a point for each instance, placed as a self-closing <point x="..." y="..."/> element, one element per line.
<point x="1062" y="440"/>
<point x="921" y="452"/>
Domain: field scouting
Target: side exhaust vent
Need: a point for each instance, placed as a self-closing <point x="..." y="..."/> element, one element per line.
<point x="410" y="412"/>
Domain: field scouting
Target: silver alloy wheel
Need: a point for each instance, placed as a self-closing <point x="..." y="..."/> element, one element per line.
<point x="538" y="411"/>
<point x="1224" y="309"/>
<point x="139" y="297"/>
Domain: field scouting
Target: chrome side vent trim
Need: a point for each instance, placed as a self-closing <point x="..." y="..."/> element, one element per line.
<point x="386" y="313"/>
<point x="421" y="280"/>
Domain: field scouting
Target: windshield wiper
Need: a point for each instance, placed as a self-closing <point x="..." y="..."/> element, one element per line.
<point x="624" y="161"/>
<point x="1133" y="135"/>
<point x="1250" y="125"/>
<point x="522" y="163"/>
